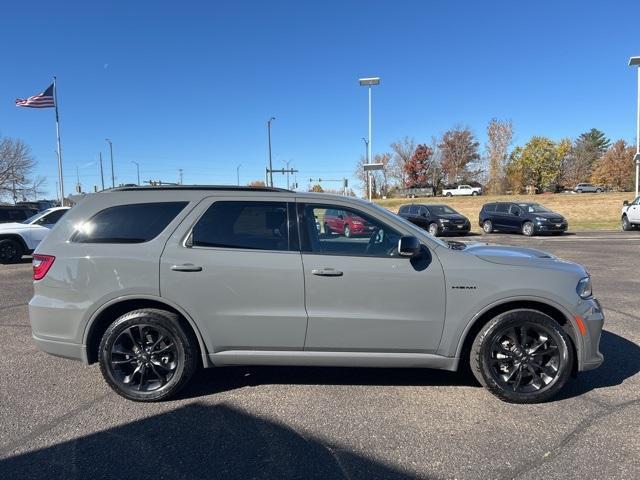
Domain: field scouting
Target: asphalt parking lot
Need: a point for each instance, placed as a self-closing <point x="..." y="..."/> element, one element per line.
<point x="58" y="419"/>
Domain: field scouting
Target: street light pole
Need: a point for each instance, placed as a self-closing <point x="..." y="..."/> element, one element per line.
<point x="369" y="82"/>
<point x="113" y="177"/>
<point x="366" y="149"/>
<point x="137" y="169"/>
<point x="635" y="61"/>
<point x="270" y="165"/>
<point x="238" y="173"/>
<point x="101" y="172"/>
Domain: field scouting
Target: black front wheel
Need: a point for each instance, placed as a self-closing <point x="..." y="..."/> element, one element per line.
<point x="145" y="355"/>
<point x="626" y="224"/>
<point x="522" y="356"/>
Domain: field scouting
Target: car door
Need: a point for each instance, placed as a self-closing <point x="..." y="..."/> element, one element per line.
<point x="423" y="217"/>
<point x="500" y="217"/>
<point x="514" y="218"/>
<point x="234" y="265"/>
<point x="633" y="212"/>
<point x="360" y="296"/>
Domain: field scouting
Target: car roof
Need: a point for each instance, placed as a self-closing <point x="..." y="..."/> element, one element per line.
<point x="233" y="188"/>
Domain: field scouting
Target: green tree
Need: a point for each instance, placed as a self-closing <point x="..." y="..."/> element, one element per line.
<point x="595" y="139"/>
<point x="586" y="151"/>
<point x="537" y="164"/>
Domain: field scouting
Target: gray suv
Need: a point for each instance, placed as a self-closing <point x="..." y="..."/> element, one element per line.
<point x="153" y="282"/>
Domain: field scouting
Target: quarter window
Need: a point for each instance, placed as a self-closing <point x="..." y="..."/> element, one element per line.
<point x="346" y="232"/>
<point x="135" y="223"/>
<point x="246" y="225"/>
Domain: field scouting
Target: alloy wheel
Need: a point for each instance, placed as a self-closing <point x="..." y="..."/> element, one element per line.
<point x="487" y="226"/>
<point x="433" y="229"/>
<point x="524" y="359"/>
<point x="143" y="358"/>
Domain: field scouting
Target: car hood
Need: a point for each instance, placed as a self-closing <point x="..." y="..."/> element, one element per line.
<point x="521" y="256"/>
<point x="547" y="215"/>
<point x="453" y="216"/>
<point x="12" y="226"/>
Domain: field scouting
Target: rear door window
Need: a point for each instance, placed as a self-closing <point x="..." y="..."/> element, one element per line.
<point x="502" y="208"/>
<point x="244" y="225"/>
<point x="135" y="223"/>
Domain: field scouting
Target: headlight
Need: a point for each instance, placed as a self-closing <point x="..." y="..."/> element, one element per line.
<point x="444" y="220"/>
<point x="583" y="289"/>
<point x="541" y="219"/>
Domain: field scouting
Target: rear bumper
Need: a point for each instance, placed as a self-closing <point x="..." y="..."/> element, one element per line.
<point x="58" y="348"/>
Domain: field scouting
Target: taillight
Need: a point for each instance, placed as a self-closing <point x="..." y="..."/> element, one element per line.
<point x="41" y="265"/>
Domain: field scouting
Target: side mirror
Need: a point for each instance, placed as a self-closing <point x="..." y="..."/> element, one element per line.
<point x="625" y="203"/>
<point x="408" y="246"/>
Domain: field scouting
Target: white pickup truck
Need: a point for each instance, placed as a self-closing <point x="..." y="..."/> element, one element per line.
<point x="17" y="239"/>
<point x="462" y="190"/>
<point x="631" y="215"/>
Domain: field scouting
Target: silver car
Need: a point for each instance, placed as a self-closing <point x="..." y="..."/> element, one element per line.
<point x="153" y="282"/>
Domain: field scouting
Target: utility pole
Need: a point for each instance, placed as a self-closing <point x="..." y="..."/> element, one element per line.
<point x="78" y="186"/>
<point x="137" y="169"/>
<point x="269" y="173"/>
<point x="13" y="181"/>
<point x="369" y="82"/>
<point x="287" y="170"/>
<point x="270" y="164"/>
<point x="180" y="172"/>
<point x="238" y="174"/>
<point x="101" y="171"/>
<point x="113" y="177"/>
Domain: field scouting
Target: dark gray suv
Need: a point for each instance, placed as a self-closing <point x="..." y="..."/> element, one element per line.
<point x="152" y="282"/>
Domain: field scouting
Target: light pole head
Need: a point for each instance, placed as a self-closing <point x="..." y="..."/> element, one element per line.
<point x="636" y="158"/>
<point x="369" y="81"/>
<point x="634" y="61"/>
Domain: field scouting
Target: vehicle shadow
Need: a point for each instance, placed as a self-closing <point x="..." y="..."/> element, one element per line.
<point x="621" y="361"/>
<point x="195" y="442"/>
<point x="216" y="380"/>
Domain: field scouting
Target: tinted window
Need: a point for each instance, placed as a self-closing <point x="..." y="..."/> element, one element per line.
<point x="490" y="207"/>
<point x="51" y="218"/>
<point x="413" y="210"/>
<point x="502" y="207"/>
<point x="423" y="211"/>
<point x="404" y="209"/>
<point x="134" y="223"/>
<point x="515" y="210"/>
<point x="250" y="225"/>
<point x="365" y="236"/>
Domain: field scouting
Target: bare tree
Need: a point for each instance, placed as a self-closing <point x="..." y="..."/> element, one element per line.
<point x="403" y="149"/>
<point x="500" y="136"/>
<point x="379" y="178"/>
<point x="459" y="153"/>
<point x="16" y="164"/>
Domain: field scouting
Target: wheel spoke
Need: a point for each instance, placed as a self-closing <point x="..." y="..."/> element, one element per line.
<point x="158" y="363"/>
<point x="542" y="339"/>
<point x="134" y="342"/>
<point x="129" y="378"/>
<point x="157" y="374"/>
<point x="524" y="336"/>
<point x="513" y="336"/>
<point x="516" y="384"/>
<point x="157" y="342"/>
<point x="550" y="350"/>
<point x="123" y="362"/>
<point x="142" y="370"/>
<point x="164" y="349"/>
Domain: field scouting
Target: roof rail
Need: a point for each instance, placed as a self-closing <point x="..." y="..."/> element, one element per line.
<point x="234" y="188"/>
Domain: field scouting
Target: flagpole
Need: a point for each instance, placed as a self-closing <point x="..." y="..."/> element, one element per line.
<point x="55" y="100"/>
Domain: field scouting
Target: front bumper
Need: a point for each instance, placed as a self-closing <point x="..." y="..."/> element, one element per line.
<point x="589" y="313"/>
<point x="548" y="227"/>
<point x="454" y="227"/>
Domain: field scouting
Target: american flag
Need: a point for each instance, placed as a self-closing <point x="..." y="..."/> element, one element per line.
<point x="42" y="100"/>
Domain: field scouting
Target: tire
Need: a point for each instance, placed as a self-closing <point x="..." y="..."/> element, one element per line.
<point x="487" y="226"/>
<point x="327" y="229"/>
<point x="433" y="229"/>
<point x="528" y="229"/>
<point x="448" y="194"/>
<point x="531" y="370"/>
<point x="158" y="377"/>
<point x="626" y="224"/>
<point x="579" y="191"/>
<point x="598" y="190"/>
<point x="474" y="194"/>
<point x="347" y="231"/>
<point x="11" y="251"/>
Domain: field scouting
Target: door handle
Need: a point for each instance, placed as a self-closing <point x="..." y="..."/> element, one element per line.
<point x="326" y="272"/>
<point x="187" y="267"/>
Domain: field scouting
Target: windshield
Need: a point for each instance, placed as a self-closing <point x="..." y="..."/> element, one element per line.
<point x="35" y="217"/>
<point x="419" y="232"/>
<point x="441" y="210"/>
<point x="533" y="208"/>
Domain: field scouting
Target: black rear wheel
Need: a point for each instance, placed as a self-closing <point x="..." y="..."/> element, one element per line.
<point x="10" y="251"/>
<point x="522" y="356"/>
<point x="145" y="355"/>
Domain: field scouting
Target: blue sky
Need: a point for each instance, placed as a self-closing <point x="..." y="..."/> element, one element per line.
<point x="191" y="84"/>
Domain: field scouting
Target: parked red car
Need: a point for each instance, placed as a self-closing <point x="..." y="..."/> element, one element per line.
<point x="345" y="223"/>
